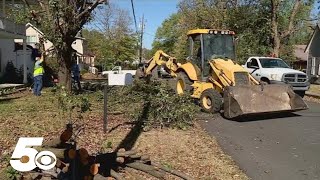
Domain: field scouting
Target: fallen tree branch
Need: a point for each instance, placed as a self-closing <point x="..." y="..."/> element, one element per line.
<point x="132" y="172"/>
<point x="116" y="175"/>
<point x="126" y="153"/>
<point x="174" y="172"/>
<point x="147" y="169"/>
<point x="99" y="177"/>
<point x="51" y="173"/>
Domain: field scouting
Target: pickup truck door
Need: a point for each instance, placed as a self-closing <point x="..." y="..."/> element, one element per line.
<point x="253" y="68"/>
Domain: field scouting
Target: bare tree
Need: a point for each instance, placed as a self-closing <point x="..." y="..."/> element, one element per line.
<point x="277" y="35"/>
<point x="61" y="21"/>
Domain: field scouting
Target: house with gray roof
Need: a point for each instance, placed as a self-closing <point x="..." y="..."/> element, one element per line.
<point x="313" y="51"/>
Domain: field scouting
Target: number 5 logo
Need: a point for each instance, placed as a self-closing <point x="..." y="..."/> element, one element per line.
<point x="22" y="150"/>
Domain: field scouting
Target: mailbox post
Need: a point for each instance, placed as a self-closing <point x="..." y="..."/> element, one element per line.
<point x="113" y="80"/>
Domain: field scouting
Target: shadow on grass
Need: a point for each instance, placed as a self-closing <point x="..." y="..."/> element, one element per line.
<point x="107" y="161"/>
<point x="131" y="138"/>
<point x="119" y="125"/>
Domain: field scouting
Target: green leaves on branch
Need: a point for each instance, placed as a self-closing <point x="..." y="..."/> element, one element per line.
<point x="250" y="19"/>
<point x="12" y="174"/>
<point x="115" y="41"/>
<point x="155" y="104"/>
<point x="71" y="105"/>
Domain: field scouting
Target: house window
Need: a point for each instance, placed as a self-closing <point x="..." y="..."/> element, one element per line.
<point x="31" y="39"/>
<point x="313" y="66"/>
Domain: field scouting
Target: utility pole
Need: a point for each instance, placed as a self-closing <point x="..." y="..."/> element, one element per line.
<point x="141" y="38"/>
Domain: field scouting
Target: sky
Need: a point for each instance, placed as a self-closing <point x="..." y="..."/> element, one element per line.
<point x="154" y="11"/>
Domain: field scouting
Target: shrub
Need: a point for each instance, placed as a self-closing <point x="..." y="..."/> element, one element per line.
<point x="11" y="74"/>
<point x="12" y="174"/>
<point x="83" y="71"/>
<point x="155" y="103"/>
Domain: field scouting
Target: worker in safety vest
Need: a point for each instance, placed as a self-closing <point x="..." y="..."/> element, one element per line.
<point x="37" y="76"/>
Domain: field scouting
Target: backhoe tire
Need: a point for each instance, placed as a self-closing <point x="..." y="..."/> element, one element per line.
<point x="183" y="83"/>
<point x="211" y="101"/>
<point x="300" y="93"/>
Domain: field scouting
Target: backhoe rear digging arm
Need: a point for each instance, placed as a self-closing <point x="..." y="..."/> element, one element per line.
<point x="161" y="58"/>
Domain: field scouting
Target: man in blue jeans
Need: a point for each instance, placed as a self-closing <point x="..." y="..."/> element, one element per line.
<point x="75" y="74"/>
<point x="37" y="76"/>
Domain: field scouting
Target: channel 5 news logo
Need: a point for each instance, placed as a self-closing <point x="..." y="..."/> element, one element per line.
<point x="25" y="158"/>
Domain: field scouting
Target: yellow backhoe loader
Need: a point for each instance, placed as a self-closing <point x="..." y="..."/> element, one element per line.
<point x="211" y="75"/>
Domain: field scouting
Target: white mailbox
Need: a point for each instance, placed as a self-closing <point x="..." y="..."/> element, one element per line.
<point x="120" y="79"/>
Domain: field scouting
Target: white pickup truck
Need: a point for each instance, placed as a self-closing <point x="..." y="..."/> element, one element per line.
<point x="276" y="71"/>
<point x="118" y="70"/>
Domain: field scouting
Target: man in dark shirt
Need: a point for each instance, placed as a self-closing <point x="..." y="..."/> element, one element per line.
<point x="75" y="74"/>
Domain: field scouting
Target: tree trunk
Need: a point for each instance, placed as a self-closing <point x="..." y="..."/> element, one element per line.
<point x="276" y="34"/>
<point x="65" y="68"/>
<point x="274" y="22"/>
<point x="65" y="76"/>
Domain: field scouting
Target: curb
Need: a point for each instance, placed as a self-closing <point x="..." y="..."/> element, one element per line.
<point x="314" y="95"/>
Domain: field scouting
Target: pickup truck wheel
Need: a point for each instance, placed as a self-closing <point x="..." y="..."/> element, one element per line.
<point x="300" y="93"/>
<point x="183" y="83"/>
<point x="211" y="101"/>
<point x="264" y="81"/>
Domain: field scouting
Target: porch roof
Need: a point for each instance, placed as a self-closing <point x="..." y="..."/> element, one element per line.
<point x="7" y="35"/>
<point x="317" y="29"/>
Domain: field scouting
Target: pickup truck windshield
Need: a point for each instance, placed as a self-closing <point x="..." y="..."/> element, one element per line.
<point x="273" y="63"/>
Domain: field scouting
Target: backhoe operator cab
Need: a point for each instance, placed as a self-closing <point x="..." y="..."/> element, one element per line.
<point x="206" y="45"/>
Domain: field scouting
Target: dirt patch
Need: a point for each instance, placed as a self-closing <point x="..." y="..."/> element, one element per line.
<point x="311" y="99"/>
<point x="314" y="88"/>
<point x="191" y="151"/>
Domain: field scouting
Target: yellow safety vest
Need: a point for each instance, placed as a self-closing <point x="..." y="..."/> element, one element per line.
<point x="38" y="70"/>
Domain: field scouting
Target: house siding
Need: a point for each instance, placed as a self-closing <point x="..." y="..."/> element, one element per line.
<point x="33" y="32"/>
<point x="314" y="54"/>
<point x="313" y="67"/>
<point x="7" y="53"/>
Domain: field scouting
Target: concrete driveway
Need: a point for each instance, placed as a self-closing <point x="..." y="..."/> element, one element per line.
<point x="283" y="146"/>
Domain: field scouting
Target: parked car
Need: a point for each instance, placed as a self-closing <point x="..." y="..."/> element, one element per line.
<point x="275" y="71"/>
<point x="118" y="70"/>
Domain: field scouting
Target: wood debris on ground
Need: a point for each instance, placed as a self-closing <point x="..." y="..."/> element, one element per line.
<point x="191" y="151"/>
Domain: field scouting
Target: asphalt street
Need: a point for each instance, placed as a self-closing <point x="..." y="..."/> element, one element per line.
<point x="282" y="146"/>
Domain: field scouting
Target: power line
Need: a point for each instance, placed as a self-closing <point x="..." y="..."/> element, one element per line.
<point x="141" y="38"/>
<point x="150" y="34"/>
<point x="134" y="16"/>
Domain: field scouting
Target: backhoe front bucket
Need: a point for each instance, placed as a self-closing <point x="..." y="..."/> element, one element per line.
<point x="254" y="99"/>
